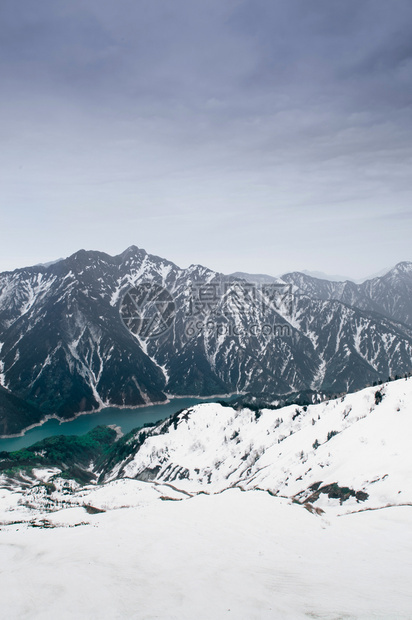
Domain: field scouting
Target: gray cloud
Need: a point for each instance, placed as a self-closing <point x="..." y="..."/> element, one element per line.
<point x="195" y="129"/>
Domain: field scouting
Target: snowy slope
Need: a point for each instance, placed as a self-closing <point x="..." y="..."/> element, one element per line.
<point x="287" y="451"/>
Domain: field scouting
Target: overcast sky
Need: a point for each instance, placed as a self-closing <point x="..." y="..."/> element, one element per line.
<point x="261" y="136"/>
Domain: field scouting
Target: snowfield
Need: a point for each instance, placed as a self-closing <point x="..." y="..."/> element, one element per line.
<point x="281" y="514"/>
<point x="243" y="555"/>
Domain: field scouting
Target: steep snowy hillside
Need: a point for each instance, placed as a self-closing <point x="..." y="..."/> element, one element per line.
<point x="352" y="451"/>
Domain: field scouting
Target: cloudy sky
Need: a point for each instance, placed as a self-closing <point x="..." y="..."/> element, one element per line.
<point x="253" y="135"/>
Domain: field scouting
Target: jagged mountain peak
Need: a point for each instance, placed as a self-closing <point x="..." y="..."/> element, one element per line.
<point x="84" y="257"/>
<point x="202" y="271"/>
<point x="131" y="258"/>
<point x="134" y="256"/>
<point x="404" y="267"/>
<point x="133" y="249"/>
<point x="133" y="253"/>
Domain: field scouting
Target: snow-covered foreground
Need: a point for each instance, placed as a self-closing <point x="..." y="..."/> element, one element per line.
<point x="241" y="555"/>
<point x="301" y="512"/>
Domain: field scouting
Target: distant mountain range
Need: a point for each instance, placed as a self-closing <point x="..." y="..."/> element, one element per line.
<point x="321" y="275"/>
<point x="69" y="341"/>
<point x="257" y="278"/>
<point x="389" y="295"/>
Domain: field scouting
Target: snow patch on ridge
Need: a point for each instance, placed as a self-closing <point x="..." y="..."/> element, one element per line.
<point x="2" y="375"/>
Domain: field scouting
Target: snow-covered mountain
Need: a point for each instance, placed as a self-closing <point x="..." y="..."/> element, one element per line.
<point x="64" y="347"/>
<point x="389" y="294"/>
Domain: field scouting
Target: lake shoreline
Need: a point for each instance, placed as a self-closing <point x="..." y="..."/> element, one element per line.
<point x="53" y="416"/>
<point x="103" y="407"/>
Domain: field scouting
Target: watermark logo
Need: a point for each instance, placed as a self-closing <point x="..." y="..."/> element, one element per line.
<point x="219" y="307"/>
<point x="238" y="308"/>
<point x="232" y="298"/>
<point x="147" y="310"/>
<point x="219" y="328"/>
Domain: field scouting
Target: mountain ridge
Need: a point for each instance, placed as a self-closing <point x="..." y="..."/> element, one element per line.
<point x="65" y="349"/>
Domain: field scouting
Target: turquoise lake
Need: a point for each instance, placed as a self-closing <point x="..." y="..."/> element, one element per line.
<point x="126" y="419"/>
